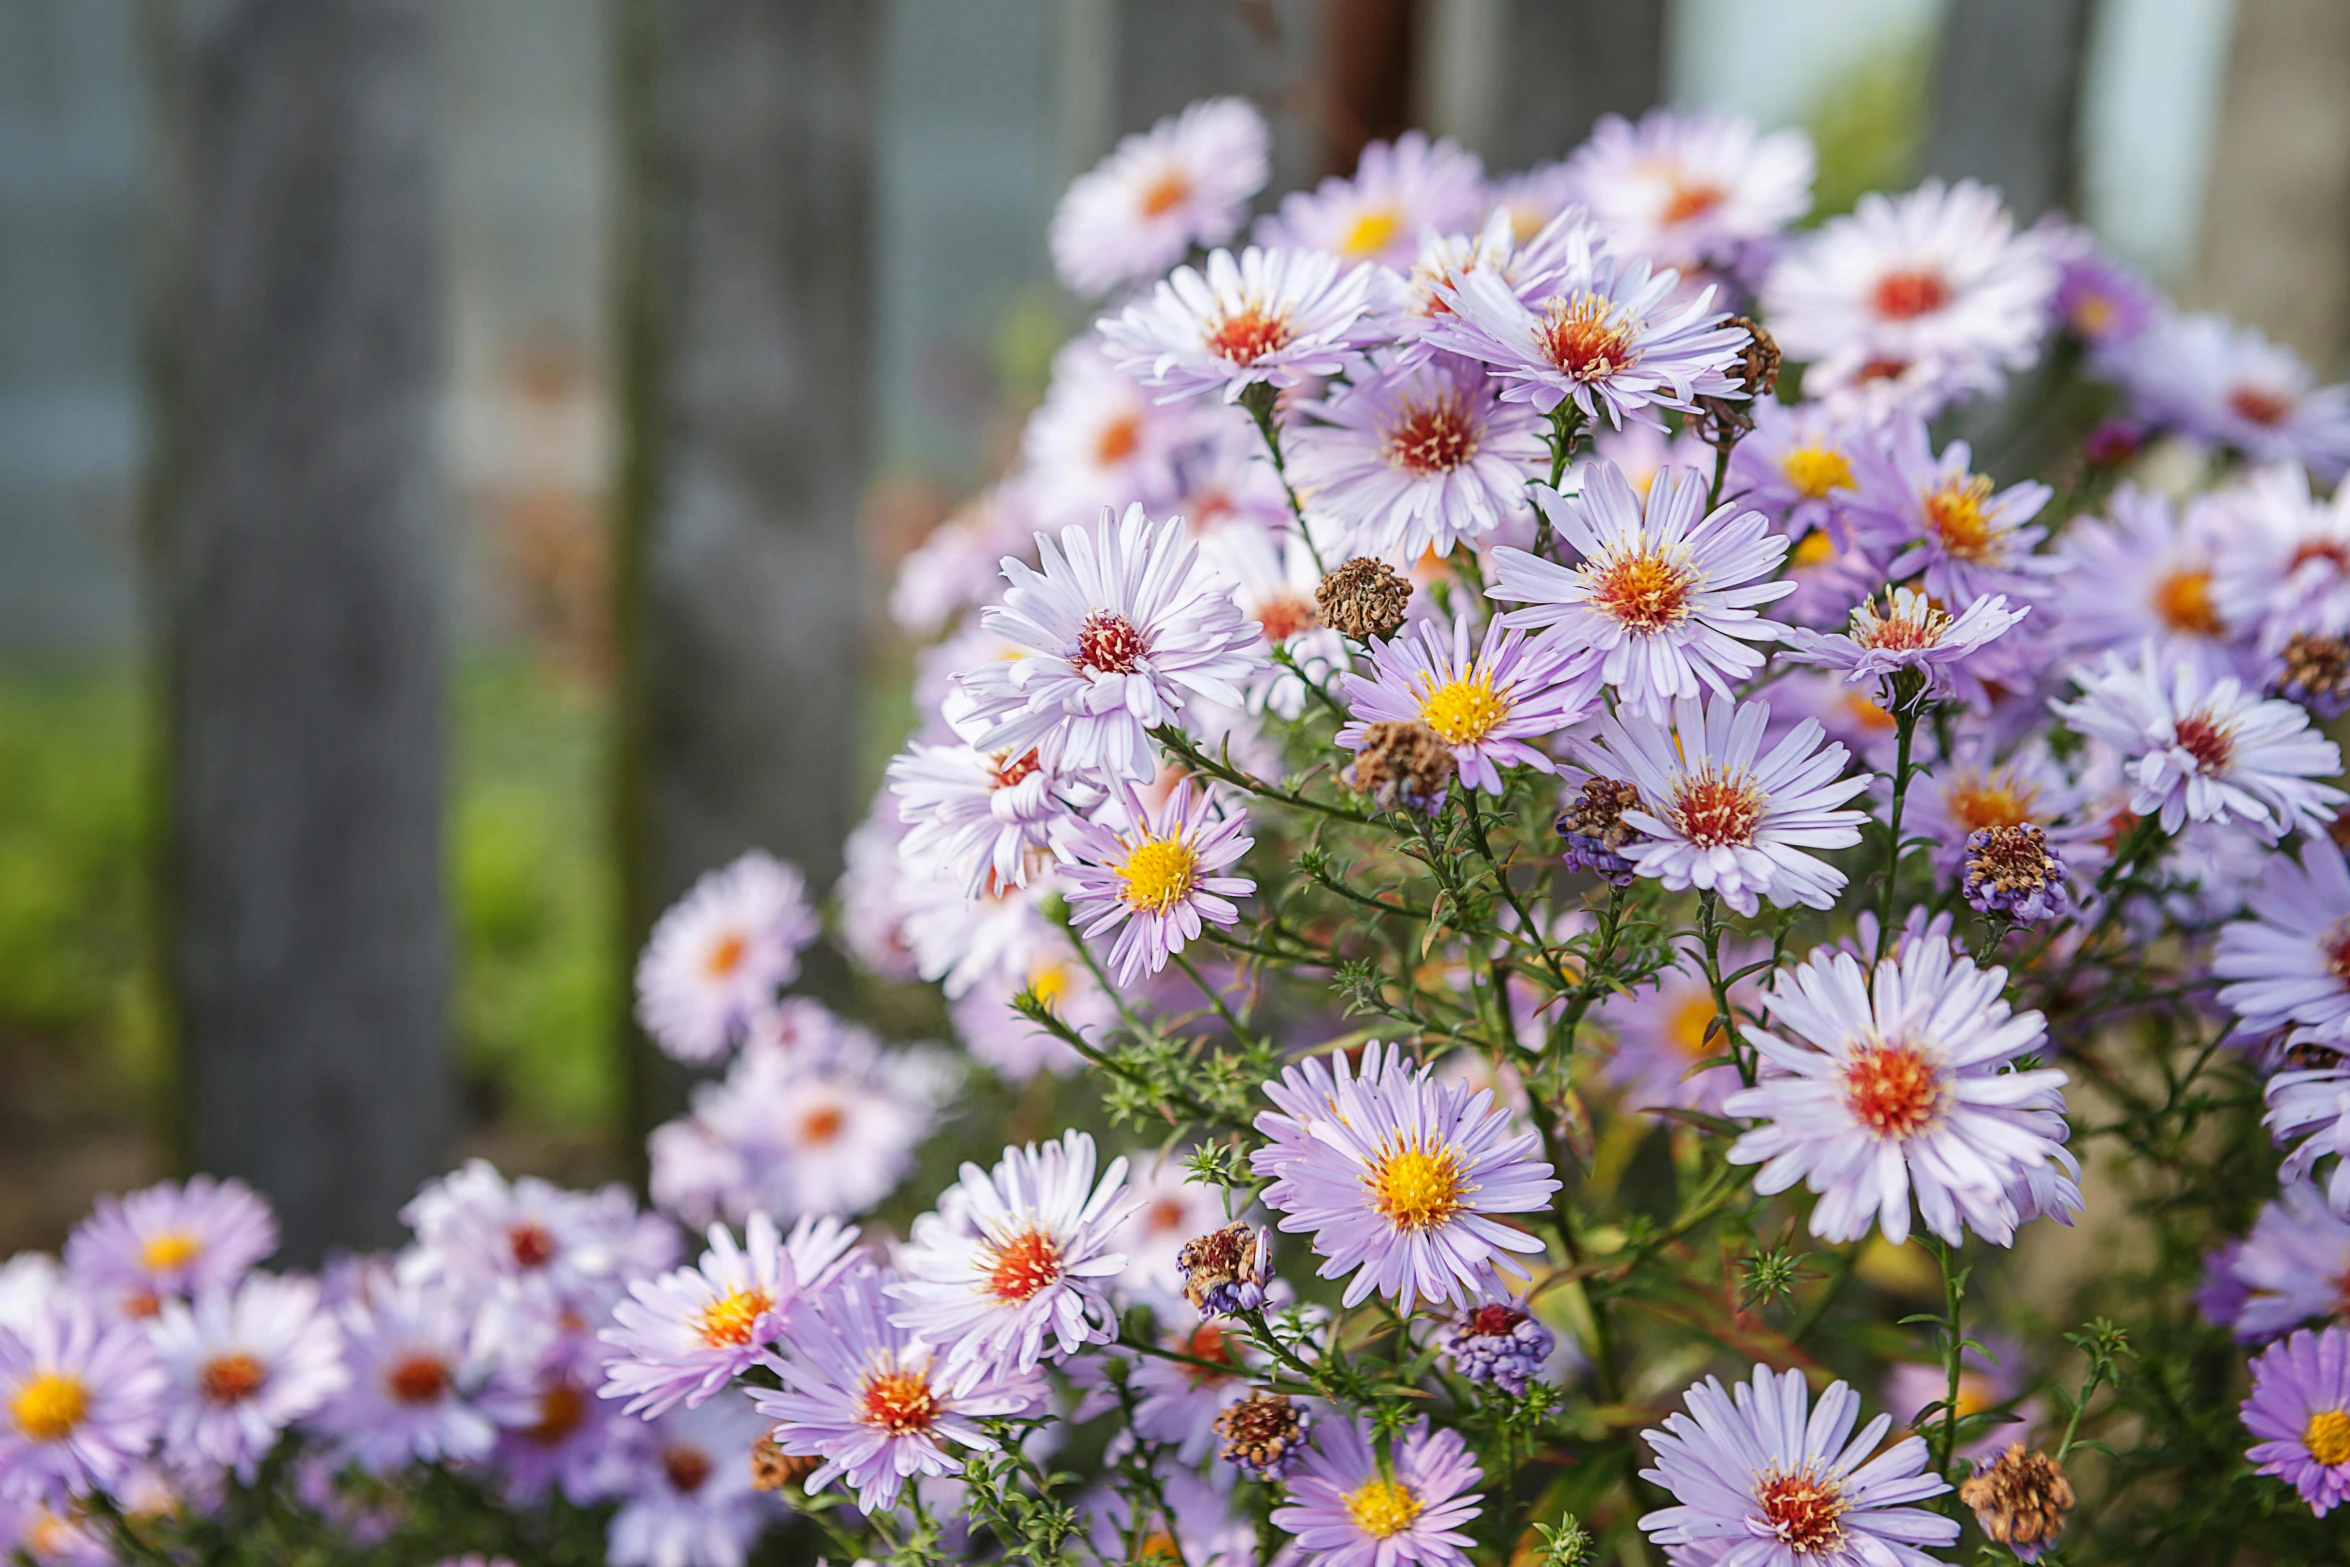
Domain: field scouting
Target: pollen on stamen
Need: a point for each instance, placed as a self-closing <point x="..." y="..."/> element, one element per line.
<point x="1803" y="1511"/>
<point x="1024" y="1266"/>
<point x="1586" y="338"/>
<point x="1893" y="1090"/>
<point x="1432" y="437"/>
<point x="1109" y="644"/>
<point x="1418" y="1188"/>
<point x="1644" y="592"/>
<point x="1712" y="809"/>
<point x="730" y="1319"/>
<point x="1961" y="524"/>
<point x="2211" y="743"/>
<point x="1248" y="335"/>
<point x="898" y="1402"/>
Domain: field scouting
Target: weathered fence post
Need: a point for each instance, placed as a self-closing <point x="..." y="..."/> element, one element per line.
<point x="2007" y="99"/>
<point x="297" y="578"/>
<point x="746" y="264"/>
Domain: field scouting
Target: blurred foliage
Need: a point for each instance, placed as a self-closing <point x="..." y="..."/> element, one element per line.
<point x="530" y="878"/>
<point x="1870" y="126"/>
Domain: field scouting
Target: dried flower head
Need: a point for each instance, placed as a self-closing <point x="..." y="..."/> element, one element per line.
<point x="2020" y="1499"/>
<point x="1225" y="1271"/>
<point x="2011" y="870"/>
<point x="1264" y="1435"/>
<point x="772" y="1469"/>
<point x="1405" y="761"/>
<point x="1758" y="361"/>
<point x="1597" y="834"/>
<point x="2314" y="671"/>
<point x="1363" y="599"/>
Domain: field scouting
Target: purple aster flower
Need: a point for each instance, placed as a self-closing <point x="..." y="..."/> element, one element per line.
<point x="2213" y="379"/>
<point x="169" y="1239"/>
<point x="2293" y="1268"/>
<point x="2146" y="570"/>
<point x="1989" y="1378"/>
<point x="80" y="1401"/>
<point x="1399" y="1186"/>
<point x="1001" y="1038"/>
<point x="1897" y="1081"/>
<point x="1973" y="789"/>
<point x="1688" y="190"/>
<point x="688" y="1500"/>
<point x="2311" y="1107"/>
<point x="1937" y="277"/>
<point x="1399" y="189"/>
<point x="1305" y="1096"/>
<point x="1665" y="597"/>
<point x="1910" y="633"/>
<point x="2103" y="304"/>
<point x="980" y="818"/>
<point x="2300" y="1410"/>
<point x="2281" y="563"/>
<point x="1800" y="466"/>
<point x="2221" y="1296"/>
<point x="1186" y="181"/>
<point x="1416" y="458"/>
<point x="527" y="1249"/>
<point x="2013" y="871"/>
<point x="1937" y="519"/>
<point x="554" y="1434"/>
<point x="1766" y="1478"/>
<point x="1121" y="624"/>
<point x="2287" y="962"/>
<point x="1723" y="816"/>
<point x="1277" y="316"/>
<point x="1663" y="1029"/>
<point x="1014" y="1264"/>
<point x="1157" y="875"/>
<point x="1498" y="1343"/>
<point x="243" y="1365"/>
<point x="2206" y="751"/>
<point x="686" y="1334"/>
<point x="871" y="1400"/>
<point x="1610" y="336"/>
<point x="718" y="956"/>
<point x="413" y="1375"/>
<point x="1346" y="1509"/>
<point x="1486" y="707"/>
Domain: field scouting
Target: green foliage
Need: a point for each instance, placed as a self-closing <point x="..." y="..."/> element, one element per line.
<point x="1870" y="126"/>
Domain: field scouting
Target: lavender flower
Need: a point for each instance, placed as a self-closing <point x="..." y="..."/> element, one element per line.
<point x="1348" y="1510"/>
<point x="242" y="1366"/>
<point x="1275" y="316"/>
<point x="169" y="1240"/>
<point x="1488" y="707"/>
<point x="80" y="1399"/>
<point x="2300" y="1410"/>
<point x="1156" y="876"/>
<point x="718" y="956"/>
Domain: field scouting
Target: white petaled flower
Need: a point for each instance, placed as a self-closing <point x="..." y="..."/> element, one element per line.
<point x="1610" y="335"/>
<point x="2147" y="569"/>
<point x="1894" y="1083"/>
<point x="1186" y="181"/>
<point x="1722" y="815"/>
<point x="1399" y="189"/>
<point x="1014" y="1266"/>
<point x="1937" y="278"/>
<point x="1490" y="708"/>
<point x="1153" y="877"/>
<point x="1665" y="596"/>
<point x="1690" y="190"/>
<point x="2208" y="377"/>
<point x="2294" y="1266"/>
<point x="1097" y="439"/>
<point x="1278" y="316"/>
<point x="2287" y="964"/>
<point x="1273" y="579"/>
<point x="413" y="1377"/>
<point x="1122" y="628"/>
<point x="2310" y="1108"/>
<point x="717" y="958"/>
<point x="1416" y="458"/>
<point x="979" y="818"/>
<point x="1911" y="632"/>
<point x="1763" y="1478"/>
<point x="244" y="1364"/>
<point x="2206" y="752"/>
<point x="2284" y="561"/>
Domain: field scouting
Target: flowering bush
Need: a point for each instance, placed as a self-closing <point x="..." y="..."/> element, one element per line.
<point x="1607" y="901"/>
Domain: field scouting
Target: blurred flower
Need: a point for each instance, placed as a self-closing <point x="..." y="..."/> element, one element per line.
<point x="1399" y="189"/>
<point x="719" y="955"/>
<point x="1687" y="190"/>
<point x="1275" y="316"/>
<point x="1186" y="181"/>
<point x="169" y="1240"/>
<point x="82" y="1400"/>
<point x="242" y="1364"/>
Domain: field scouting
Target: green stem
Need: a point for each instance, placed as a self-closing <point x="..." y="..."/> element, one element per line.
<point x="1259" y="399"/>
<point x="1953" y="1341"/>
<point x="1709" y="929"/>
<point x="1908" y="695"/>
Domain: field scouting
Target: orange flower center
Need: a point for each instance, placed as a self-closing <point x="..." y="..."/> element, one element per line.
<point x="1207" y="1342"/>
<point x="231" y="1378"/>
<point x="1691" y="199"/>
<point x="1644" y="592"/>
<point x="726" y="954"/>
<point x="418" y="1379"/>
<point x="1893" y="1090"/>
<point x="1956" y="514"/>
<point x="2183" y="600"/>
<point x="1118" y="440"/>
<point x="562" y="1410"/>
<point x="1027" y="1263"/>
<point x="731" y="1318"/>
<point x="1432" y="437"/>
<point x="1904" y="296"/>
<point x="822" y="1124"/>
<point x="1287" y="616"/>
<point x="1009" y="770"/>
<point x="1803" y="1510"/>
<point x="2260" y="405"/>
<point x="1248" y="335"/>
<point x="1109" y="643"/>
<point x="1585" y="337"/>
<point x="899" y="1402"/>
<point x="1712" y="809"/>
<point x="1164" y="194"/>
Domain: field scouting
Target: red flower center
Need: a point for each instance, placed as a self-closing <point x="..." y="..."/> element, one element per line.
<point x="1585" y="338"/>
<point x="1903" y="296"/>
<point x="2260" y="405"/>
<point x="1109" y="643"/>
<point x="2208" y="741"/>
<point x="1248" y="335"/>
<point x="899" y="1402"/>
<point x="532" y="1245"/>
<point x="1118" y="440"/>
<point x="1286" y="617"/>
<point x="231" y="1379"/>
<point x="1711" y="810"/>
<point x="418" y="1379"/>
<point x="1892" y="1090"/>
<point x="1010" y="769"/>
<point x="1207" y="1342"/>
<point x="1495" y="1321"/>
<point x="2336" y="949"/>
<point x="1432" y="437"/>
<point x="686" y="1467"/>
<point x="1802" y="1511"/>
<point x="1030" y="1261"/>
<point x="1643" y="592"/>
<point x="562" y="1410"/>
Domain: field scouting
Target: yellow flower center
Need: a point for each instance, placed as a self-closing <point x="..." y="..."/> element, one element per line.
<point x="2183" y="600"/>
<point x="730" y="1318"/>
<point x="1158" y="873"/>
<point x="1643" y="591"/>
<point x="1816" y="549"/>
<point x="1956" y="514"/>
<point x="1815" y="470"/>
<point x="2328" y="1437"/>
<point x="1416" y="1187"/>
<point x="1382" y="1508"/>
<point x="1048" y="981"/>
<point x="2001" y="799"/>
<point x="169" y="1249"/>
<point x="1466" y="710"/>
<point x="1692" y="1019"/>
<point x="1370" y="233"/>
<point x="48" y="1405"/>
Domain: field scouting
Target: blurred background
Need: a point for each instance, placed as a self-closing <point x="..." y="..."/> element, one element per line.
<point x="452" y="453"/>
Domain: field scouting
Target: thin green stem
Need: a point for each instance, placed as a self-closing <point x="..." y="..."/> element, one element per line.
<point x="1908" y="695"/>
<point x="1259" y="399"/>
